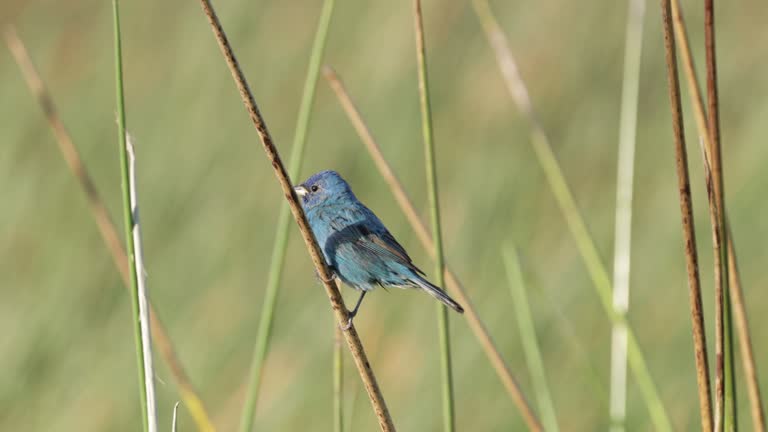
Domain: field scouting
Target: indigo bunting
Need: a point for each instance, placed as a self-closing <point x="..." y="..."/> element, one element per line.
<point x="357" y="247"/>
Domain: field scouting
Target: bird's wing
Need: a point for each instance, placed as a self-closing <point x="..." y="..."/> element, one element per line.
<point x="375" y="238"/>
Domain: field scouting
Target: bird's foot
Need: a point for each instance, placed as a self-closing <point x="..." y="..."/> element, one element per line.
<point x="332" y="276"/>
<point x="349" y="321"/>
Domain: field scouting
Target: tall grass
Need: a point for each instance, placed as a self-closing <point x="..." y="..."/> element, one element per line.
<point x="449" y="417"/>
<point x="338" y="381"/>
<point x="106" y="226"/>
<point x="133" y="242"/>
<point x="724" y="347"/>
<point x="624" y="191"/>
<point x="264" y="331"/>
<point x="420" y="228"/>
<point x="531" y="349"/>
<point x="549" y="164"/>
<point x="337" y="302"/>
<point x="689" y="234"/>
<point x="705" y="141"/>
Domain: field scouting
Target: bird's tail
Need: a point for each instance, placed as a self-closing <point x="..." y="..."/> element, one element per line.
<point x="438" y="293"/>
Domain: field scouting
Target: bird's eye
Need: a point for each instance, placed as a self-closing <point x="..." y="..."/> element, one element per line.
<point x="315" y="188"/>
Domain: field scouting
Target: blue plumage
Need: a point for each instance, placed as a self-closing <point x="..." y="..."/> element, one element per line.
<point x="357" y="246"/>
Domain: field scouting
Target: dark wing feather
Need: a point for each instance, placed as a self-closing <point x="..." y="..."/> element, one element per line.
<point x="359" y="227"/>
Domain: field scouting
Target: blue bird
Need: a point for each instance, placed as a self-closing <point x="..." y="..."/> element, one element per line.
<point x="357" y="247"/>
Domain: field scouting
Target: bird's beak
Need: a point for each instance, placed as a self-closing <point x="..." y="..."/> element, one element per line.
<point x="300" y="190"/>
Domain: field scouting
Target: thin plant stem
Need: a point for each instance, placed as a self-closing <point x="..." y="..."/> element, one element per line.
<point x="140" y="269"/>
<point x="173" y="420"/>
<point x="705" y="139"/>
<point x="722" y="303"/>
<point x="338" y="381"/>
<point x="337" y="302"/>
<point x="130" y="220"/>
<point x="564" y="197"/>
<point x="528" y="337"/>
<point x="266" y="320"/>
<point x="422" y="232"/>
<point x="106" y="226"/>
<point x="689" y="235"/>
<point x="623" y="230"/>
<point x="449" y="416"/>
<point x="745" y="343"/>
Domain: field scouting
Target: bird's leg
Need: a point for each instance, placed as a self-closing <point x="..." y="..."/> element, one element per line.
<point x="353" y="312"/>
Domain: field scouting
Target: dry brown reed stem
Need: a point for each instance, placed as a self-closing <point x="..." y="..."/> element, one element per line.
<point x="105" y="225"/>
<point x="724" y="329"/>
<point x="337" y="302"/>
<point x="736" y="292"/>
<point x="745" y="343"/>
<point x="422" y="232"/>
<point x="689" y="236"/>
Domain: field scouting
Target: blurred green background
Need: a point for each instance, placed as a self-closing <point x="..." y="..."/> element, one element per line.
<point x="209" y="204"/>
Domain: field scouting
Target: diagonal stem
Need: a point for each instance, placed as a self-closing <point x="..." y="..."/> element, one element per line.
<point x="264" y="332"/>
<point x="337" y="302"/>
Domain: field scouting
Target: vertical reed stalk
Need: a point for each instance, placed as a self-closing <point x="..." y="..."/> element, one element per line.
<point x="338" y="382"/>
<point x="264" y="331"/>
<point x="132" y="234"/>
<point x="528" y="336"/>
<point x="623" y="233"/>
<point x="724" y="330"/>
<point x="105" y="225"/>
<point x="736" y="295"/>
<point x="337" y="302"/>
<point x="689" y="236"/>
<point x="422" y="232"/>
<point x="546" y="158"/>
<point x="449" y="417"/>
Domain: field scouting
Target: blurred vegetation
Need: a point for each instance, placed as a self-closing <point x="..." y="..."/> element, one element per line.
<point x="210" y="202"/>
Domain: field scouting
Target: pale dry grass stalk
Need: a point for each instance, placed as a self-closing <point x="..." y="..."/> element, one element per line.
<point x="745" y="342"/>
<point x="106" y="226"/>
<point x="689" y="236"/>
<point x="422" y="232"/>
<point x="143" y="292"/>
<point x="173" y="420"/>
<point x="337" y="302"/>
<point x="449" y="415"/>
<point x="560" y="189"/>
<point x="623" y="230"/>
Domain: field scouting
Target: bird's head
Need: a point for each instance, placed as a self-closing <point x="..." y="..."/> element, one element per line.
<point x="324" y="187"/>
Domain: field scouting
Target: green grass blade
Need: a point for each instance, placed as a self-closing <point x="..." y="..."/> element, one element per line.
<point x="449" y="419"/>
<point x="284" y="220"/>
<point x="128" y="220"/>
<point x="338" y="381"/>
<point x="530" y="343"/>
